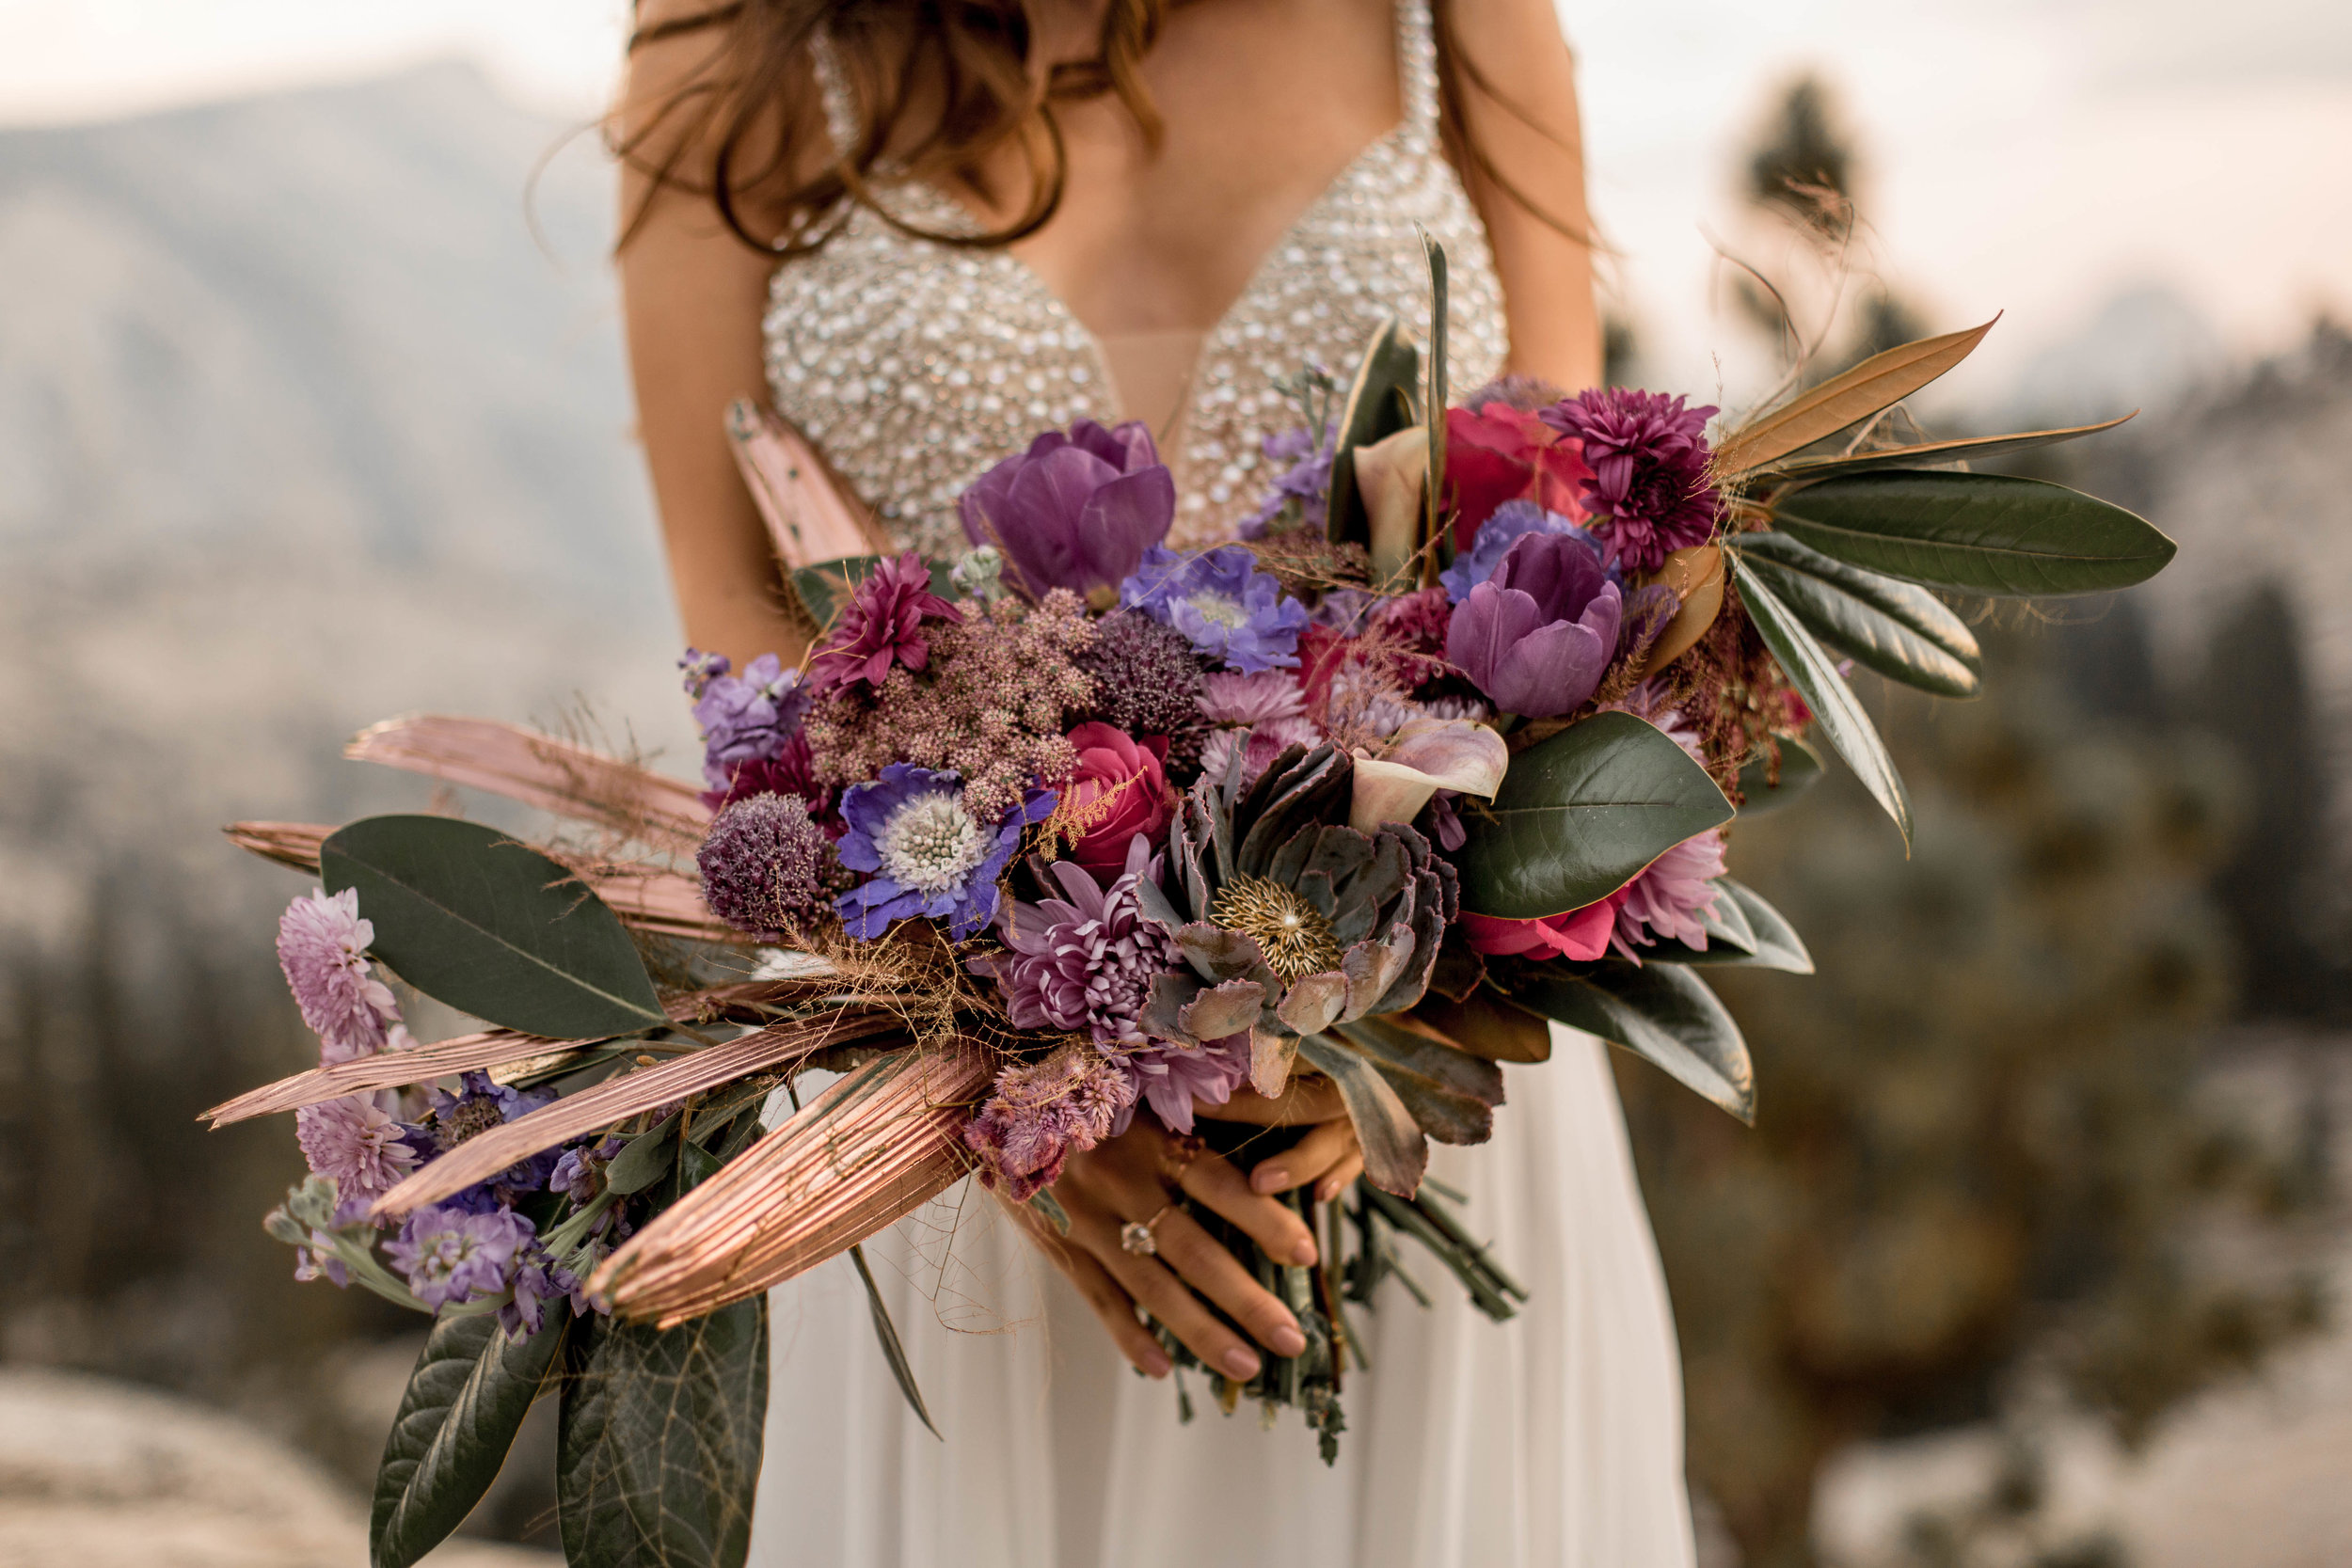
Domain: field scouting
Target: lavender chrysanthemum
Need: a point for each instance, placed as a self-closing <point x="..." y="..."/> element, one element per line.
<point x="448" y="1255"/>
<point x="1085" y="961"/>
<point x="768" y="869"/>
<point x="1305" y="480"/>
<point x="1670" y="899"/>
<point x="1172" y="1076"/>
<point x="323" y="947"/>
<point x="1649" y="494"/>
<point x="354" y="1142"/>
<point x="925" y="854"/>
<point x="1495" y="536"/>
<point x="1219" y="600"/>
<point x="1230" y="699"/>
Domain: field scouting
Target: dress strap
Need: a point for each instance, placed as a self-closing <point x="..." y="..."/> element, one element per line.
<point x="1417" y="75"/>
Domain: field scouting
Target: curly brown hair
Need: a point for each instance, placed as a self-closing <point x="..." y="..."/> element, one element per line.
<point x="939" y="86"/>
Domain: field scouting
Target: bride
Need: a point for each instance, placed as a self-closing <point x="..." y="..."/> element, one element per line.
<point x="926" y="231"/>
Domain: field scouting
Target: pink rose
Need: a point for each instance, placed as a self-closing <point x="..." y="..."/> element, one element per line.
<point x="1120" y="790"/>
<point x="1501" y="453"/>
<point x="1580" y="934"/>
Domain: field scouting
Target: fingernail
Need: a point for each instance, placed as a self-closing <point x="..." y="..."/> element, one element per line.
<point x="1155" y="1363"/>
<point x="1288" y="1342"/>
<point x="1304" y="1253"/>
<point x="1270" y="1179"/>
<point x="1240" y="1363"/>
<point x="1326" y="1191"/>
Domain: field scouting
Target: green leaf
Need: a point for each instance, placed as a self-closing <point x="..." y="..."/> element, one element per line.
<point x="1579" y="814"/>
<point x="1662" y="1012"/>
<point x="1045" y="1203"/>
<point x="825" y="587"/>
<point x="1976" y="533"/>
<point x="1800" y="768"/>
<point x="887" y="1331"/>
<point x="1380" y="403"/>
<point x="1395" y="1152"/>
<point x="1451" y="1094"/>
<point x="492" y="927"/>
<point x="458" y="1416"/>
<point x="645" y="1159"/>
<point x="1433" y="403"/>
<point x="1772" y="942"/>
<point x="1898" y="628"/>
<point x="1836" y="709"/>
<point x="1929" y="453"/>
<point x="659" y="1445"/>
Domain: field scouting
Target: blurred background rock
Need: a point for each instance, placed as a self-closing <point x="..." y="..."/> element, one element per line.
<point x="309" y="414"/>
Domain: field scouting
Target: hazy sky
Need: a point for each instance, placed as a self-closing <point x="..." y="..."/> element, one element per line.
<point x="2035" y="156"/>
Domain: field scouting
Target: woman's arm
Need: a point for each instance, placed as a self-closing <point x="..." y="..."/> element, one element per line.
<point x="1546" y="275"/>
<point x="693" y="294"/>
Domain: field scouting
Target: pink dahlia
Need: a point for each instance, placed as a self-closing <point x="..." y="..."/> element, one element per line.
<point x="1038" y="1114"/>
<point x="1085" y="961"/>
<point x="881" y="625"/>
<point x="323" y="947"/>
<point x="352" y="1141"/>
<point x="1649" y="494"/>
<point x="1669" y="899"/>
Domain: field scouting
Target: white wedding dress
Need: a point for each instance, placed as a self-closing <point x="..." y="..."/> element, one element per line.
<point x="1552" y="1441"/>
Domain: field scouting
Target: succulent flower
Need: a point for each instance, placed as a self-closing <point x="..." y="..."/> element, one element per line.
<point x="1649" y="494"/>
<point x="1512" y="521"/>
<point x="1255" y="747"/>
<point x="1076" y="510"/>
<point x="1085" y="961"/>
<point x="1536" y="636"/>
<point x="926" y="855"/>
<point x="768" y="869"/>
<point x="1219" y="600"/>
<point x="1297" y="920"/>
<point x="881" y="626"/>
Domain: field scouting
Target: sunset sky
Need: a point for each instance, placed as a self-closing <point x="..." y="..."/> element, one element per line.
<point x="2036" y="156"/>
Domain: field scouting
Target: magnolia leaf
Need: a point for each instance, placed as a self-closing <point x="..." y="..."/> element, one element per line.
<point x="886" y="1333"/>
<point x="1484" y="1023"/>
<point x="1432" y="407"/>
<point x="1395" y="1152"/>
<point x="1800" y="768"/>
<point x="1662" y="1012"/>
<point x="1380" y="403"/>
<point x="1772" y="942"/>
<point x="1897" y="628"/>
<point x="492" y="927"/>
<point x="658" y="1447"/>
<point x="1975" y="533"/>
<point x="1451" y="1093"/>
<point x="465" y="1402"/>
<point x="1929" y="454"/>
<point x="1878" y="381"/>
<point x="1580" y="815"/>
<point x="1836" y="709"/>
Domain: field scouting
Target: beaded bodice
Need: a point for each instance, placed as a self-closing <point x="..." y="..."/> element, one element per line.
<point x="914" y="366"/>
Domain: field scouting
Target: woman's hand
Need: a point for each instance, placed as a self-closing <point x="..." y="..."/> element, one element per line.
<point x="1329" y="1155"/>
<point x="1137" y="1178"/>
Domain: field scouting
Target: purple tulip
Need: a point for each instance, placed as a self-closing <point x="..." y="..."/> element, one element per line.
<point x="1075" y="510"/>
<point x="1536" y="636"/>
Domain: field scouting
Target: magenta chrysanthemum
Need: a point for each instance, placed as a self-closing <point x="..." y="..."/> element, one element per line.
<point x="768" y="869"/>
<point x="323" y="947"/>
<point x="1085" y="961"/>
<point x="1650" y="493"/>
<point x="1668" y="900"/>
<point x="1038" y="1114"/>
<point x="352" y="1141"/>
<point x="881" y="625"/>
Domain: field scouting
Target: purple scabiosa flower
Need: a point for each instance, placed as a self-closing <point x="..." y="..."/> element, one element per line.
<point x="743" y="719"/>
<point x="1073" y="511"/>
<point x="1669" y="899"/>
<point x="1230" y="699"/>
<point x="323" y="947"/>
<point x="768" y="869"/>
<point x="1038" y="1114"/>
<point x="1172" y="1076"/>
<point x="1085" y="961"/>
<point x="924" y="853"/>
<point x="1221" y="600"/>
<point x="1303" y="481"/>
<point x="1257" y="746"/>
<point x="1649" y="494"/>
<point x="352" y="1141"/>
<point x="881" y="626"/>
<point x="1536" y="636"/>
<point x="480" y="1104"/>
<point x="1512" y="521"/>
<point x="448" y="1255"/>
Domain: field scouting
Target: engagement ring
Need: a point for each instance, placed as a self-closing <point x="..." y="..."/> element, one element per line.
<point x="1136" y="1235"/>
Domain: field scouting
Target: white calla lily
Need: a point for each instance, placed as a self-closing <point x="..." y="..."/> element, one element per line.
<point x="1423" y="757"/>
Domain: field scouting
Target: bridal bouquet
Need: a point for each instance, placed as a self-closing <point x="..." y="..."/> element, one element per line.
<point x="1080" y="828"/>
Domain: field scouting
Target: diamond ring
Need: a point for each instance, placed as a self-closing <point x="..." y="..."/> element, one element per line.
<point x="1135" y="1236"/>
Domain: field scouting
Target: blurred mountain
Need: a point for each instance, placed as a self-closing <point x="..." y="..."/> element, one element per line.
<point x="2145" y="348"/>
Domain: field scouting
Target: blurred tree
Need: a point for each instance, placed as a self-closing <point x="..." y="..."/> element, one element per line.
<point x="1802" y="162"/>
<point x="1975" y="1122"/>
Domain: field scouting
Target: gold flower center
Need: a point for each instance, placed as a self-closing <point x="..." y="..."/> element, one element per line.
<point x="1295" y="937"/>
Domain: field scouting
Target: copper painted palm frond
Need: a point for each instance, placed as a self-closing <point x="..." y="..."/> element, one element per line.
<point x="666" y="903"/>
<point x="541" y="770"/>
<point x="593" y="1110"/>
<point x="875" y="1145"/>
<point x="808" y="520"/>
<point x="387" y="1069"/>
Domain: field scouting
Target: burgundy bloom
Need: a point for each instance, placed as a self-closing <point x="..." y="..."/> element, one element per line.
<point x="1075" y="510"/>
<point x="1085" y="961"/>
<point x="1118" y="794"/>
<point x="1649" y="494"/>
<point x="1536" y="636"/>
<point x="881" y="625"/>
<point x="1580" y="934"/>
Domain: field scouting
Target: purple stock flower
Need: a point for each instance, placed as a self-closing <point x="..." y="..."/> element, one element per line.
<point x="352" y="1141"/>
<point x="743" y="719"/>
<point x="1512" y="521"/>
<point x="448" y="1255"/>
<point x="1085" y="961"/>
<point x="926" y="856"/>
<point x="538" y="1280"/>
<point x="1650" y="493"/>
<point x="1306" y="478"/>
<point x="1536" y="636"/>
<point x="1221" y="601"/>
<point x="323" y="947"/>
<point x="767" y="868"/>
<point x="1173" y="1076"/>
<point x="1670" y="898"/>
<point x="1075" y="510"/>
